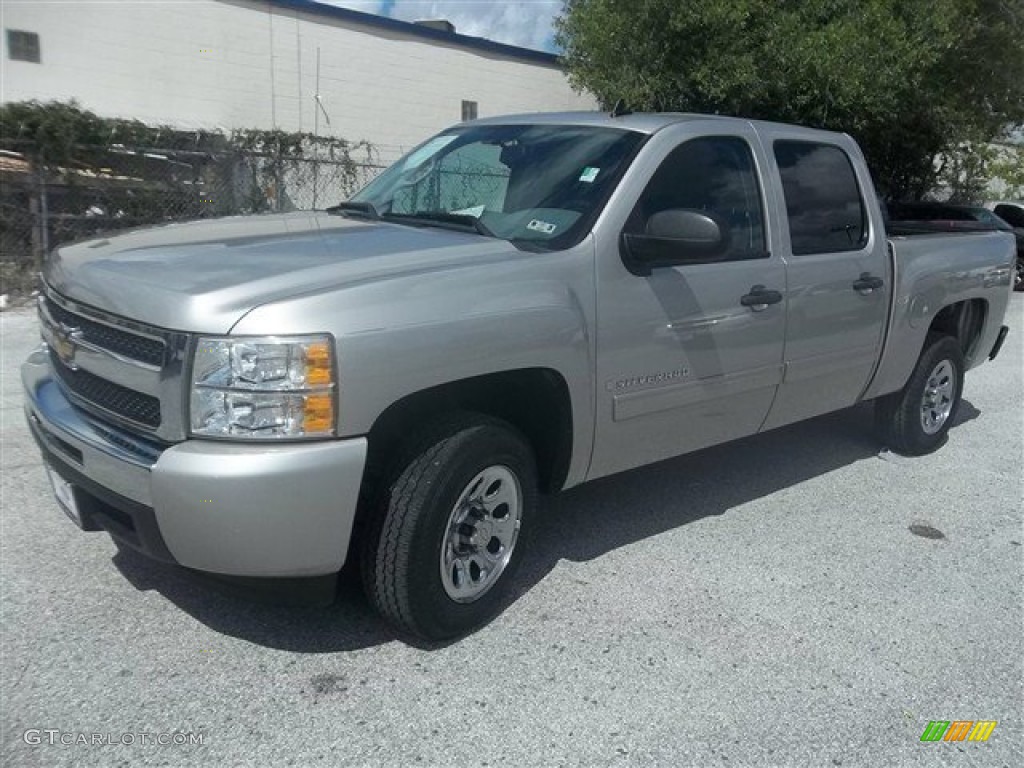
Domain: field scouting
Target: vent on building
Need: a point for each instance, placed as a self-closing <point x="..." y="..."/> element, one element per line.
<point x="468" y="110"/>
<point x="22" y="46"/>
<point x="442" y="24"/>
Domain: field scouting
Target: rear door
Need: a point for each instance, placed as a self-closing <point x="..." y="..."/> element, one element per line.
<point x="837" y="270"/>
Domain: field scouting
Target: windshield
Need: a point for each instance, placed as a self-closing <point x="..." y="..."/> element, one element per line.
<point x="539" y="186"/>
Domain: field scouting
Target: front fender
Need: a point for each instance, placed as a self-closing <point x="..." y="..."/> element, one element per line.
<point x="400" y="336"/>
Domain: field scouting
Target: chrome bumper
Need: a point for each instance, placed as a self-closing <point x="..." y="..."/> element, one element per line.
<point x="241" y="510"/>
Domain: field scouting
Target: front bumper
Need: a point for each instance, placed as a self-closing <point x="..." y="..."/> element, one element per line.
<point x="260" y="511"/>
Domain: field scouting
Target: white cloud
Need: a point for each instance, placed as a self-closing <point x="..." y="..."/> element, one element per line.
<point x="527" y="23"/>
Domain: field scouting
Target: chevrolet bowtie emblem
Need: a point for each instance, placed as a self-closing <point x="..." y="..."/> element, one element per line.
<point x="60" y="337"/>
<point x="63" y="344"/>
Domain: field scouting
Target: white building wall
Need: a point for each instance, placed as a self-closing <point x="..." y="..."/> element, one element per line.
<point x="243" y="64"/>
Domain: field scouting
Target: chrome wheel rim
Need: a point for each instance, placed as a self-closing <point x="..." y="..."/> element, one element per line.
<point x="937" y="400"/>
<point x="481" y="534"/>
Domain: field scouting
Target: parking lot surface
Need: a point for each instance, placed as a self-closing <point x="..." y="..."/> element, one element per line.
<point x="759" y="603"/>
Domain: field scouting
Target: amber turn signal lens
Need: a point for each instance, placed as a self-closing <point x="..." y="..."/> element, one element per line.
<point x="318" y="413"/>
<point x="318" y="364"/>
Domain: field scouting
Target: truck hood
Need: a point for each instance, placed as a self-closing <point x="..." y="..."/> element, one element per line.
<point x="204" y="276"/>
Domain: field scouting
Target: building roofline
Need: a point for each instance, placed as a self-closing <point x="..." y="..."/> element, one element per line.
<point x="418" y="30"/>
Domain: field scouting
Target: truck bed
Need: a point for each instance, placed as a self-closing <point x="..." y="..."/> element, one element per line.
<point x="931" y="270"/>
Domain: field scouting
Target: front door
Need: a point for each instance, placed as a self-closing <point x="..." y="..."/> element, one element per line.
<point x="683" y="360"/>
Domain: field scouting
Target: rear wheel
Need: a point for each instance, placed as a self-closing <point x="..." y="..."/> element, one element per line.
<point x="446" y="543"/>
<point x="915" y="420"/>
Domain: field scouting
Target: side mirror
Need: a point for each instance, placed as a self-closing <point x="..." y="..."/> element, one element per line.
<point x="675" y="236"/>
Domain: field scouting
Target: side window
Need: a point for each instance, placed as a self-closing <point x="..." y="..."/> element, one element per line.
<point x="714" y="175"/>
<point x="1011" y="215"/>
<point x="823" y="202"/>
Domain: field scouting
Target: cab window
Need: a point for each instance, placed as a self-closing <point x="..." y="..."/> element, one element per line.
<point x="823" y="202"/>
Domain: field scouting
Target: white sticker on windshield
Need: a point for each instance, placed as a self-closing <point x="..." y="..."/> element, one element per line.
<point x="432" y="147"/>
<point x="476" y="211"/>
<point x="589" y="174"/>
<point x="541" y="226"/>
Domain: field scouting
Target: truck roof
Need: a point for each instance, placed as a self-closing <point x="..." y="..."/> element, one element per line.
<point x="642" y="122"/>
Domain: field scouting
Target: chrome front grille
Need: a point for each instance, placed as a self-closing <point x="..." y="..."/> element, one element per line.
<point x="130" y="345"/>
<point x="119" y="370"/>
<point x="110" y="397"/>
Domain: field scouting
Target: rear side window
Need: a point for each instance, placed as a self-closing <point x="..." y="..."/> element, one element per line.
<point x="823" y="202"/>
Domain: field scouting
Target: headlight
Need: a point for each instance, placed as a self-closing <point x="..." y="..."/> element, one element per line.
<point x="263" y="388"/>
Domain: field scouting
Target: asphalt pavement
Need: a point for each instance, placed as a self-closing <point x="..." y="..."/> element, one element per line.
<point x="756" y="604"/>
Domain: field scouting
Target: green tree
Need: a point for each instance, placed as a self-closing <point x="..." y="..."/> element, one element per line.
<point x="910" y="79"/>
<point x="1007" y="169"/>
<point x="963" y="173"/>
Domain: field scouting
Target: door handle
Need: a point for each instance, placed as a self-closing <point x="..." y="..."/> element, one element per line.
<point x="759" y="298"/>
<point x="867" y="283"/>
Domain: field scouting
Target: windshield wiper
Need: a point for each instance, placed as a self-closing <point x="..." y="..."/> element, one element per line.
<point x="365" y="210"/>
<point x="442" y="219"/>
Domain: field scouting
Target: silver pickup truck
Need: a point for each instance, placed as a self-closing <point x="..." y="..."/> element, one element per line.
<point x="517" y="306"/>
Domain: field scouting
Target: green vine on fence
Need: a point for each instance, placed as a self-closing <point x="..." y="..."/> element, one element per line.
<point x="54" y="133"/>
<point x="75" y="174"/>
<point x="283" y="151"/>
<point x="63" y="140"/>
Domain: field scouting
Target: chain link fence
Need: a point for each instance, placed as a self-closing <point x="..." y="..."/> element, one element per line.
<point x="113" y="187"/>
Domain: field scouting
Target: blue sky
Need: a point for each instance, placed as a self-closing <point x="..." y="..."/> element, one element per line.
<point x="520" y="22"/>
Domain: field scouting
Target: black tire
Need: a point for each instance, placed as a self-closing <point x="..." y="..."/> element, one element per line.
<point x="401" y="550"/>
<point x="1018" y="276"/>
<point x="899" y="416"/>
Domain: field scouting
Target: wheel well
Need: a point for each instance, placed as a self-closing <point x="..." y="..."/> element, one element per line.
<point x="964" y="321"/>
<point x="534" y="400"/>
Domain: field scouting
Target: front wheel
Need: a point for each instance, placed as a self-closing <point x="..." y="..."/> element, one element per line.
<point x="447" y="541"/>
<point x="915" y="420"/>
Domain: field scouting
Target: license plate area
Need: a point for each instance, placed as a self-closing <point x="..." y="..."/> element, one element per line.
<point x="64" y="492"/>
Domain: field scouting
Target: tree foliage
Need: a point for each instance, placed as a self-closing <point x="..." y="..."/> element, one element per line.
<point x="1008" y="167"/>
<point x="970" y="172"/>
<point x="910" y="79"/>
